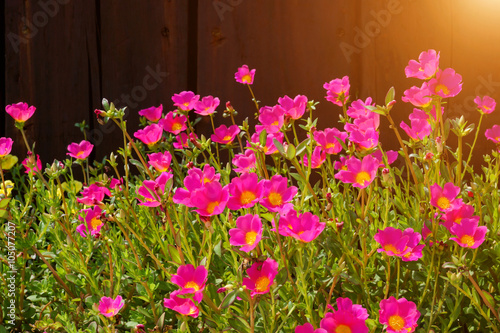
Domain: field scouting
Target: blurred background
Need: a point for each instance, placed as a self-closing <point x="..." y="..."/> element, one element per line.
<point x="64" y="56"/>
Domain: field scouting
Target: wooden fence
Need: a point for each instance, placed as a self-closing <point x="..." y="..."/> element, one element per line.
<point x="64" y="56"/>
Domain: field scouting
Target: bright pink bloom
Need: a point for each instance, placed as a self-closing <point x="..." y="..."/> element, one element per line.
<point x="194" y="180"/>
<point x="486" y="105"/>
<point x="150" y="134"/>
<point x="456" y="215"/>
<point x="493" y="134"/>
<point x="277" y="194"/>
<point x="93" y="195"/>
<point x="337" y="91"/>
<point x="468" y="234"/>
<point x="391" y="157"/>
<point x="80" y="150"/>
<point x="30" y="167"/>
<point x="245" y="191"/>
<point x="20" y="111"/>
<point x="92" y="222"/>
<point x="184" y="306"/>
<point x="395" y="242"/>
<point x="183" y="140"/>
<point x="308" y="328"/>
<point x="5" y="146"/>
<point x="261" y="276"/>
<point x="160" y="161"/>
<point x="206" y="106"/>
<point x="304" y="227"/>
<point x="419" y="97"/>
<point x="426" y="67"/>
<point x="109" y="307"/>
<point x="294" y="108"/>
<point x="272" y="119"/>
<point x="359" y="173"/>
<point x="269" y="148"/>
<point x="153" y="113"/>
<point x="446" y="84"/>
<point x="248" y="232"/>
<point x="348" y="318"/>
<point x="342" y="164"/>
<point x="358" y="109"/>
<point x="445" y="198"/>
<point x="329" y="140"/>
<point x="317" y="158"/>
<point x="398" y="315"/>
<point x="420" y="128"/>
<point x="225" y="135"/>
<point x="191" y="280"/>
<point x="245" y="162"/>
<point x="364" y="140"/>
<point x="116" y="184"/>
<point x="244" y="75"/>
<point x="185" y="100"/>
<point x="152" y="190"/>
<point x="173" y="123"/>
<point x="210" y="199"/>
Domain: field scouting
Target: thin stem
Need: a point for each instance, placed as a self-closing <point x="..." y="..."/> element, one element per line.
<point x="473" y="144"/>
<point x="253" y="97"/>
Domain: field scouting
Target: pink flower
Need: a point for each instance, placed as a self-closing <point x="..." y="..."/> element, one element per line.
<point x="206" y="106"/>
<point x="261" y="276"/>
<point x="445" y="198"/>
<point x="210" y="199"/>
<point x="5" y="146"/>
<point x="364" y="140"/>
<point x="152" y="190"/>
<point x="486" y="105"/>
<point x="153" y="113"/>
<point x="277" y="194"/>
<point x="294" y="108"/>
<point x="329" y="140"/>
<point x="20" y="111"/>
<point x="308" y="328"/>
<point x="160" y="161"/>
<point x="245" y="162"/>
<point x="184" y="306"/>
<point x="358" y="109"/>
<point x="225" y="135"/>
<point x="419" y="97"/>
<point x="244" y="75"/>
<point x="426" y="68"/>
<point x="337" y="91"/>
<point x="109" y="307"/>
<point x="93" y="195"/>
<point x="348" y="318"/>
<point x="149" y="135"/>
<point x="245" y="191"/>
<point x="391" y="157"/>
<point x="446" y="84"/>
<point x="395" y="242"/>
<point x="456" y="215"/>
<point x="185" y="100"/>
<point x="183" y="140"/>
<point x="248" y="232"/>
<point x="173" y="123"/>
<point x="272" y="119"/>
<point x="28" y="163"/>
<point x="80" y="150"/>
<point x="420" y="128"/>
<point x="194" y="180"/>
<point x="399" y="315"/>
<point x="191" y="280"/>
<point x="317" y="158"/>
<point x="304" y="227"/>
<point x="359" y="173"/>
<point x="92" y="222"/>
<point x="468" y="234"/>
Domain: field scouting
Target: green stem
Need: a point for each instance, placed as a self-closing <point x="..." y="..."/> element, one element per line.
<point x="473" y="145"/>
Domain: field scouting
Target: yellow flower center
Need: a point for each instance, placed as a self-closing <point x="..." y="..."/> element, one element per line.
<point x="192" y="311"/>
<point x="246" y="78"/>
<point x="458" y="220"/>
<point x="95" y="222"/>
<point x="211" y="207"/>
<point x="176" y="127"/>
<point x="392" y="248"/>
<point x="79" y="154"/>
<point x="443" y="203"/>
<point x="186" y="104"/>
<point x="466" y="239"/>
<point x="250" y="237"/>
<point x="261" y="284"/>
<point x="343" y="329"/>
<point x="247" y="197"/>
<point x="396" y="322"/>
<point x="328" y="146"/>
<point x="275" y="199"/>
<point x="206" y="180"/>
<point x="227" y="138"/>
<point x="443" y="88"/>
<point x="362" y="177"/>
<point x="276" y="123"/>
<point x="192" y="284"/>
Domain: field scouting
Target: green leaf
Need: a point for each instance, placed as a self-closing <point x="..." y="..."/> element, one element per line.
<point x="4" y="202"/>
<point x="229" y="299"/>
<point x="239" y="324"/>
<point x="390" y="95"/>
<point x="291" y="151"/>
<point x="279" y="146"/>
<point x="301" y="147"/>
<point x="263" y="138"/>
